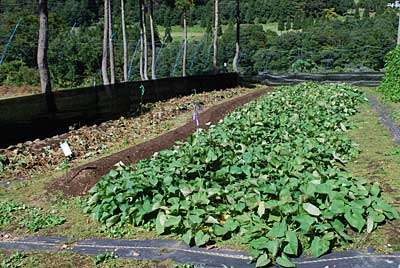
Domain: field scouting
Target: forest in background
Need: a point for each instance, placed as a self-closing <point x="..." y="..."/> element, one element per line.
<point x="311" y="36"/>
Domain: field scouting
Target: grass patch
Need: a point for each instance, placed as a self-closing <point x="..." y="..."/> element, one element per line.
<point x="32" y="259"/>
<point x="196" y="32"/>
<point x="393" y="106"/>
<point x="377" y="162"/>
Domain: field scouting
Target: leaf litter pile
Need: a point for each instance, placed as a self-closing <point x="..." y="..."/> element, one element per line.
<point x="39" y="156"/>
<point x="272" y="172"/>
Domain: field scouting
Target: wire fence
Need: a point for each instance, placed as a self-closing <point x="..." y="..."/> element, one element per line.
<point x="169" y="55"/>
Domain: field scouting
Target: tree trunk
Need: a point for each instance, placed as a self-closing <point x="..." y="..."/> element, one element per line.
<point x="144" y="41"/>
<point x="124" y="42"/>
<point x="216" y="25"/>
<point x="141" y="41"/>
<point x="111" y="45"/>
<point x="236" y="58"/>
<point x="43" y="44"/>
<point x="398" y="31"/>
<point x="185" y="44"/>
<point x="153" y="43"/>
<point x="104" y="66"/>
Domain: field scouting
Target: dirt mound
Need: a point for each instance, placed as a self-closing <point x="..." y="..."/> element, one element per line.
<point x="80" y="180"/>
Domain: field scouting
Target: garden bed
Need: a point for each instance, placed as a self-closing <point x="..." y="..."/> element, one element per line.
<point x="376" y="159"/>
<point x="273" y="172"/>
<point x="32" y="158"/>
<point x="81" y="179"/>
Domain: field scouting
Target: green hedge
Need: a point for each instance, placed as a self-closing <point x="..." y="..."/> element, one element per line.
<point x="390" y="86"/>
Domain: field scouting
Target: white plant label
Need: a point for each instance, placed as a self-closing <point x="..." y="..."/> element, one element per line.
<point x="66" y="149"/>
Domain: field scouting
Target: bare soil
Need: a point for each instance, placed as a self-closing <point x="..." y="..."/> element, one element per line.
<point x="79" y="180"/>
<point x="8" y="92"/>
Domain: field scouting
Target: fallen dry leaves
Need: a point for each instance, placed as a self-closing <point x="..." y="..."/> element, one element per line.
<point x="89" y="142"/>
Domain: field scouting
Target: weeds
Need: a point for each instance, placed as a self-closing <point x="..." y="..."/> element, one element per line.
<point x="102" y="258"/>
<point x="32" y="218"/>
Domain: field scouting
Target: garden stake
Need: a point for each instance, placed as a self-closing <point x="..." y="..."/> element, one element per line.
<point x="196" y="113"/>
<point x="141" y="97"/>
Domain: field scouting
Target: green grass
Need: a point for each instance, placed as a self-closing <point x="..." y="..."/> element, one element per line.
<point x="33" y="259"/>
<point x="196" y="32"/>
<point x="377" y="162"/>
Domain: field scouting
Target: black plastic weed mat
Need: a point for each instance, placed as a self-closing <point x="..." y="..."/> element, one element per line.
<point x="277" y="79"/>
<point x="160" y="250"/>
<point x="385" y="115"/>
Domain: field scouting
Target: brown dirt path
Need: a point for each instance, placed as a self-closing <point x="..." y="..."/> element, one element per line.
<point x="79" y="180"/>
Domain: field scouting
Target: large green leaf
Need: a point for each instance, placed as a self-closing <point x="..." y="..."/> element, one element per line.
<point x="263" y="261"/>
<point x="187" y="237"/>
<point x="311" y="209"/>
<point x="220" y="230"/>
<point x="173" y="221"/>
<point x="305" y="221"/>
<point x="292" y="247"/>
<point x="319" y="246"/>
<point x="356" y="220"/>
<point x="260" y="243"/>
<point x="201" y="239"/>
<point x="160" y="222"/>
<point x="284" y="262"/>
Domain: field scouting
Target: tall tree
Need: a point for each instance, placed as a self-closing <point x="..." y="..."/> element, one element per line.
<point x="237" y="53"/>
<point x="153" y="43"/>
<point x="111" y="43"/>
<point x="184" y="5"/>
<point x="104" y="66"/>
<point x="143" y="7"/>
<point x="43" y="44"/>
<point x="185" y="44"/>
<point x="216" y="25"/>
<point x="124" y="40"/>
<point x="141" y="41"/>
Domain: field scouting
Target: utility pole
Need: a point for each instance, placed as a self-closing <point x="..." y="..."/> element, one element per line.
<point x="396" y="5"/>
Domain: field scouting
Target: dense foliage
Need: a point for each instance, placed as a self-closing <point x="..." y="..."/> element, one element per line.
<point x="335" y="35"/>
<point x="271" y="172"/>
<point x="390" y="86"/>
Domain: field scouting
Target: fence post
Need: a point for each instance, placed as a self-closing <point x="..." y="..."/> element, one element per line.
<point x="10" y="40"/>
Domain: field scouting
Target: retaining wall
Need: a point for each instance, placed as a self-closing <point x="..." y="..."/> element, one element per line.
<point x="39" y="116"/>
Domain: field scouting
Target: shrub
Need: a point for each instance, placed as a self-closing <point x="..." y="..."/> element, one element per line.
<point x="16" y="73"/>
<point x="390" y="86"/>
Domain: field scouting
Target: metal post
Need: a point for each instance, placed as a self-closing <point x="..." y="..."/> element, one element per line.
<point x="69" y="37"/>
<point x="162" y="46"/>
<point x="9" y="41"/>
<point x="133" y="58"/>
<point x="177" y="59"/>
<point x="73" y="27"/>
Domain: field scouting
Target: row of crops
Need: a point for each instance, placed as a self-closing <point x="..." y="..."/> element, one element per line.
<point x="272" y="172"/>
